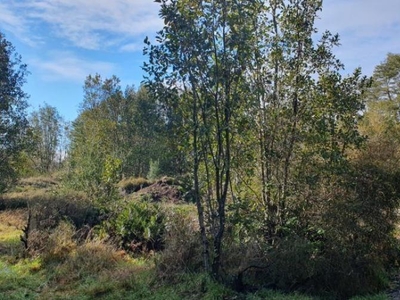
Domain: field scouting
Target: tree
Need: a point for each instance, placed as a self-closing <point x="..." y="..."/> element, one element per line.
<point x="264" y="107"/>
<point x="117" y="133"/>
<point x="202" y="62"/>
<point x="144" y="130"/>
<point x="13" y="122"/>
<point x="47" y="126"/>
<point x="381" y="121"/>
<point x="386" y="79"/>
<point x="94" y="135"/>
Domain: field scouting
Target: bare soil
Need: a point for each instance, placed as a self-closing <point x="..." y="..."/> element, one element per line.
<point x="164" y="191"/>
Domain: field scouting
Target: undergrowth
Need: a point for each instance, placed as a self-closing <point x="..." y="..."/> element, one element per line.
<point x="72" y="265"/>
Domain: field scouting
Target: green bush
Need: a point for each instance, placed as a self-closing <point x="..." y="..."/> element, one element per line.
<point x="139" y="226"/>
<point x="354" y="248"/>
<point x="154" y="169"/>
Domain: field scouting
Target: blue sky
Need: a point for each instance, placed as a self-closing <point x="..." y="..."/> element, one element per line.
<point x="63" y="41"/>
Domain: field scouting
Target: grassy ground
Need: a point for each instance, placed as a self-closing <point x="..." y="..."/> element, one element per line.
<point x="93" y="269"/>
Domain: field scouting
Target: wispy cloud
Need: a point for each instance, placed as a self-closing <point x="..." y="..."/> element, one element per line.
<point x="361" y="17"/>
<point x="13" y="22"/>
<point x="132" y="47"/>
<point x="369" y="29"/>
<point x="86" y="24"/>
<point x="65" y="66"/>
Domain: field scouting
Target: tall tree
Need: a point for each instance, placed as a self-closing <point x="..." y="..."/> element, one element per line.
<point x="381" y="121"/>
<point x="47" y="126"/>
<point x="308" y="114"/>
<point x="386" y="79"/>
<point x="116" y="130"/>
<point x="248" y="75"/>
<point x="143" y="130"/>
<point x="203" y="59"/>
<point x="13" y="122"/>
<point x="94" y="135"/>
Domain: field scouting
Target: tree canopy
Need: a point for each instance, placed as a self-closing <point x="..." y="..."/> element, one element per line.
<point x="13" y="103"/>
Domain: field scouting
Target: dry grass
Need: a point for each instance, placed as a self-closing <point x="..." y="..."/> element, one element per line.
<point x="29" y="190"/>
<point x="11" y="223"/>
<point x="38" y="182"/>
<point x="131" y="185"/>
<point x="14" y="218"/>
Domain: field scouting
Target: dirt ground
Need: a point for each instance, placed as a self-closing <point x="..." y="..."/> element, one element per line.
<point x="163" y="191"/>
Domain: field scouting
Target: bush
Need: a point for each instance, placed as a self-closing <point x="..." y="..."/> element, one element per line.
<point x="58" y="244"/>
<point x="88" y="259"/>
<point x="337" y="237"/>
<point x="359" y="224"/>
<point x="343" y="243"/>
<point x="72" y="206"/>
<point x="50" y="212"/>
<point x="182" y="244"/>
<point x="139" y="226"/>
<point x="154" y="169"/>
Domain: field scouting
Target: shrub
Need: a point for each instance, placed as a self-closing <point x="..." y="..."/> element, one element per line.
<point x="355" y="215"/>
<point x="337" y="237"/>
<point x="139" y="226"/>
<point x="59" y="243"/>
<point x="182" y="244"/>
<point x="154" y="169"/>
<point x="359" y="224"/>
<point x="50" y="212"/>
<point x="88" y="259"/>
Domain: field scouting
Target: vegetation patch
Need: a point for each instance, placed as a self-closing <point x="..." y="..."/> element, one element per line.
<point x="131" y="185"/>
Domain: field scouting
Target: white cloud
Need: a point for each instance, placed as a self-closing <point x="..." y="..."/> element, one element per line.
<point x="86" y="23"/>
<point x="90" y="23"/>
<point x="361" y="17"/>
<point x="9" y="19"/>
<point x="368" y="29"/>
<point x="15" y="23"/>
<point x="65" y="66"/>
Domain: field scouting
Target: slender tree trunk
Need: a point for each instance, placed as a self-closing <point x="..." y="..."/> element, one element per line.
<point x="197" y="193"/>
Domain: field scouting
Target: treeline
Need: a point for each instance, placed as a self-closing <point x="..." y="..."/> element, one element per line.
<point x="120" y="134"/>
<point x="117" y="134"/>
<point x="294" y="168"/>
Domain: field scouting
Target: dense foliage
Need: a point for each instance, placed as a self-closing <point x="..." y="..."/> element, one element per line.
<point x="118" y="134"/>
<point x="13" y="122"/>
<point x="272" y="132"/>
<point x="48" y="129"/>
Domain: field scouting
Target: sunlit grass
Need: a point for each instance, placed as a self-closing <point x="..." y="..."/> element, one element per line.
<point x="11" y="223"/>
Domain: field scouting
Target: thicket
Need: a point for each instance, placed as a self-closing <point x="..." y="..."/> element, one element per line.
<point x="14" y="130"/>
